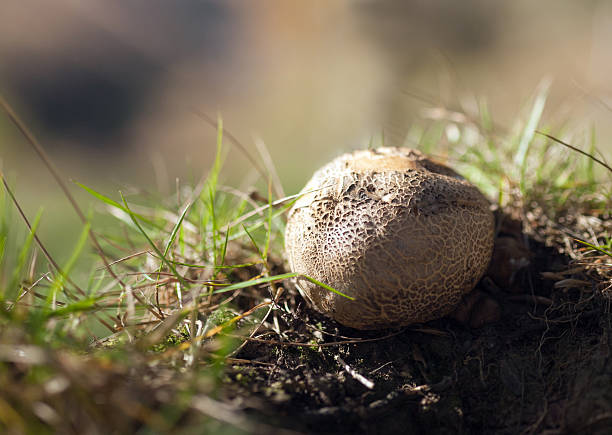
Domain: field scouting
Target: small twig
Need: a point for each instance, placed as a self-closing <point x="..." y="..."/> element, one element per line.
<point x="354" y="374"/>
<point x="34" y="284"/>
<point x="383" y="366"/>
<point x="248" y="361"/>
<point x="112" y="263"/>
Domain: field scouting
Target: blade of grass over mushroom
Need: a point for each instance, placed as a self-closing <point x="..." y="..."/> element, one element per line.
<point x="252" y="213"/>
<point x="326" y="287"/>
<point x="291" y="198"/>
<point x="257" y="224"/>
<point x="153" y="245"/>
<point x="280" y="277"/>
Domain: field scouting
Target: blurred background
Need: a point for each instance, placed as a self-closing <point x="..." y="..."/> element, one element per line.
<point x="113" y="88"/>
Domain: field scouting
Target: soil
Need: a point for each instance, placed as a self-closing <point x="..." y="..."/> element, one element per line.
<point x="542" y="367"/>
<point x="529" y="353"/>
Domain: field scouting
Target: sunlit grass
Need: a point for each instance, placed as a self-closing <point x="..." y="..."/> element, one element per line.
<point x="179" y="285"/>
<point x="526" y="163"/>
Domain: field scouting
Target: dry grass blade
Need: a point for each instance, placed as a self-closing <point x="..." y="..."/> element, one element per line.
<point x="354" y="374"/>
<point x="209" y="120"/>
<point x="578" y="150"/>
<point x="55" y="173"/>
<point x="314" y="344"/>
<point x="36" y="238"/>
<point x="267" y="159"/>
<point x="38" y="148"/>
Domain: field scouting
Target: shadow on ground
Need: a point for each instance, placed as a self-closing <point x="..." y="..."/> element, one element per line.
<point x="543" y="367"/>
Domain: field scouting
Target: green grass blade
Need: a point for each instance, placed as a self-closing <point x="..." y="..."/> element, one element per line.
<point x="254" y="243"/>
<point x="209" y="266"/>
<point x="269" y="221"/>
<point x="532" y="122"/>
<point x="261" y="222"/>
<point x="81" y="306"/>
<point x="214" y="174"/>
<point x="13" y="287"/>
<point x="133" y="216"/>
<point x="520" y="159"/>
<point x="176" y="228"/>
<point x="213" y="222"/>
<point x="58" y="282"/>
<point x="113" y="203"/>
<point x="223" y="250"/>
<point x="3" y="241"/>
<point x="596" y="248"/>
<point x="326" y="287"/>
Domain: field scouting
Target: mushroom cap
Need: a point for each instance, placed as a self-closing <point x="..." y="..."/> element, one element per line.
<point x="403" y="235"/>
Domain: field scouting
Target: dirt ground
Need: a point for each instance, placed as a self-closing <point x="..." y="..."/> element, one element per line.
<point x="541" y="366"/>
<point x="533" y="357"/>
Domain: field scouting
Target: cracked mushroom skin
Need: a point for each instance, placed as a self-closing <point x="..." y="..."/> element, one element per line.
<point x="403" y="235"/>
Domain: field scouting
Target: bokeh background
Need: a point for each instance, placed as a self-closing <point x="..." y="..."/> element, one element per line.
<point x="112" y="88"/>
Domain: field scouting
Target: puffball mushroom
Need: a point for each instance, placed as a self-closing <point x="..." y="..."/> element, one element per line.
<point x="404" y="236"/>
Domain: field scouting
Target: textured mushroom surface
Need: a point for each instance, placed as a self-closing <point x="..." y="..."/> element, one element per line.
<point x="403" y="235"/>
